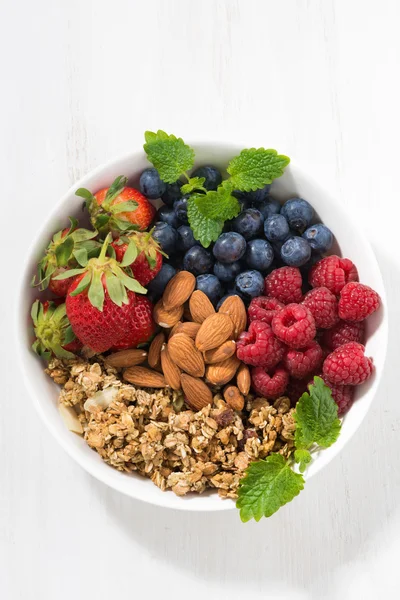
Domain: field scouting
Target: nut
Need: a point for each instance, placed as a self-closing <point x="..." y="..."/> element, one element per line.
<point x="233" y="397"/>
<point x="185" y="354"/>
<point x="171" y="372"/>
<point x="166" y="318"/>
<point x="221" y="373"/>
<point x="235" y="308"/>
<point x="197" y="393"/>
<point x="178" y="290"/>
<point x="200" y="306"/>
<point x="243" y="379"/>
<point x="214" y="331"/>
<point x="155" y="350"/>
<point x="221" y="353"/>
<point x="126" y="358"/>
<point x="143" y="377"/>
<point x="189" y="328"/>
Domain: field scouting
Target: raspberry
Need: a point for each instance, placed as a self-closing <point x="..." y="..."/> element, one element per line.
<point x="343" y="395"/>
<point x="284" y="284"/>
<point x="269" y="386"/>
<point x="342" y="333"/>
<point x="323" y="307"/>
<point x="347" y="365"/>
<point x="333" y="272"/>
<point x="263" y="309"/>
<point x="357" y="302"/>
<point x="302" y="362"/>
<point x="294" y="325"/>
<point x="295" y="389"/>
<point x="259" y="347"/>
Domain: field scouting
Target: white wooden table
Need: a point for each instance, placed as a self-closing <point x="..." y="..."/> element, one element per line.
<point x="81" y="81"/>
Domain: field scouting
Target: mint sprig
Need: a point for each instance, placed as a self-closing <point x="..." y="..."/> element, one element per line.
<point x="256" y="167"/>
<point x="169" y="154"/>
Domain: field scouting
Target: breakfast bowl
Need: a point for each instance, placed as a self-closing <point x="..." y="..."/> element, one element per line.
<point x="349" y="242"/>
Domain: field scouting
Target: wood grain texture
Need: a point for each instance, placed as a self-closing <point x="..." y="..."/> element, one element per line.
<point x="80" y="83"/>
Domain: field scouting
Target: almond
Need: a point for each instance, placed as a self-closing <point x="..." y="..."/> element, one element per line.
<point x="189" y="328"/>
<point x="197" y="393"/>
<point x="143" y="377"/>
<point x="200" y="306"/>
<point x="171" y="372"/>
<point x="221" y="373"/>
<point x="214" y="331"/>
<point x="185" y="354"/>
<point x="243" y="379"/>
<point x="235" y="308"/>
<point x="233" y="397"/>
<point x="126" y="358"/>
<point x="155" y="350"/>
<point x="166" y="318"/>
<point x="221" y="353"/>
<point x="178" y="290"/>
<point x="174" y="329"/>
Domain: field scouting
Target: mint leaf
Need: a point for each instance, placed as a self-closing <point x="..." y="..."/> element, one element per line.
<point x="205" y="230"/>
<point x="267" y="485"/>
<point x="303" y="457"/>
<point x="169" y="155"/>
<point x="219" y="205"/>
<point x="254" y="168"/>
<point x="194" y="183"/>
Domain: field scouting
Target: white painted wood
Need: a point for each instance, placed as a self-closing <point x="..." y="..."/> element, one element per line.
<point x="80" y="83"/>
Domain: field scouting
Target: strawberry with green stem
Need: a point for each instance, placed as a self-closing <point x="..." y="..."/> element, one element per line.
<point x="53" y="331"/>
<point x="146" y="261"/>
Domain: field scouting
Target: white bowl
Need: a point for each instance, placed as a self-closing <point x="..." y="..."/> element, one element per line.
<point x="351" y="243"/>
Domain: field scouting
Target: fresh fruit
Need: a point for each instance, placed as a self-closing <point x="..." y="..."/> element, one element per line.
<point x="200" y="306"/>
<point x="295" y="389"/>
<point x="295" y="252"/>
<point x="227" y="272"/>
<point x="268" y="207"/>
<point x="222" y="352"/>
<point x="154" y="357"/>
<point x="221" y="373"/>
<point x="126" y="358"/>
<point x="269" y="386"/>
<point x="284" y="284"/>
<point x="258" y="196"/>
<point x="259" y="255"/>
<point x="186" y="238"/>
<point x="248" y="223"/>
<point x="233" y="397"/>
<point x="343" y="395"/>
<point x="302" y="362"/>
<point x="141" y="252"/>
<point x="276" y="228"/>
<point x="214" y="331"/>
<point x="197" y="393"/>
<point x="181" y="208"/>
<point x="198" y="260"/>
<point x="333" y="272"/>
<point x="234" y="307"/>
<point x="229" y="247"/>
<point x="178" y="290"/>
<point x="347" y="365"/>
<point x="167" y="214"/>
<point x="212" y="176"/>
<point x="319" y="237"/>
<point x="299" y="213"/>
<point x="294" y="325"/>
<point x="211" y="286"/>
<point x="172" y="193"/>
<point x="166" y="236"/>
<point x="151" y="185"/>
<point x="250" y="284"/>
<point x="167" y="318"/>
<point x="259" y="347"/>
<point x="264" y="309"/>
<point x="139" y="327"/>
<point x="357" y="302"/>
<point x="323" y="306"/>
<point x="53" y="332"/>
<point x="243" y="379"/>
<point x="342" y="333"/>
<point x="158" y="284"/>
<point x="186" y="355"/>
<point x="143" y="377"/>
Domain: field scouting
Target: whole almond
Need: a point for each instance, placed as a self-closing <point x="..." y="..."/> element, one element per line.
<point x="243" y="379"/>
<point x="221" y="373"/>
<point x="189" y="328"/>
<point x="143" y="377"/>
<point x="235" y="308"/>
<point x="171" y="372"/>
<point x="185" y="354"/>
<point x="214" y="331"/>
<point x="174" y="329"/>
<point x="178" y="290"/>
<point x="155" y="350"/>
<point x="233" y="397"/>
<point x="197" y="393"/>
<point x="126" y="358"/>
<point x="166" y="318"/>
<point x="200" y="306"/>
<point x="221" y="353"/>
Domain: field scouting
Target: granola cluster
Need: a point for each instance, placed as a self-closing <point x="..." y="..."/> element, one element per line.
<point x="152" y="433"/>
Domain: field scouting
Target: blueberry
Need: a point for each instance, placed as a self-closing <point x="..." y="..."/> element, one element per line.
<point x="259" y="255"/>
<point x="158" y="284"/>
<point x="186" y="238"/>
<point x="248" y="223"/>
<point x="319" y="237"/>
<point x="250" y="284"/>
<point x="198" y="260"/>
<point x="172" y="193"/>
<point x="259" y="195"/>
<point x="296" y="251"/>
<point x="180" y="207"/>
<point x="276" y="228"/>
<point x="166" y="236"/>
<point x="176" y="260"/>
<point x="229" y="247"/>
<point x="151" y="185"/>
<point x="298" y="212"/>
<point x="226" y="273"/>
<point x="167" y="215"/>
<point x="211" y="286"/>
<point x="212" y="176"/>
<point x="269" y="207"/>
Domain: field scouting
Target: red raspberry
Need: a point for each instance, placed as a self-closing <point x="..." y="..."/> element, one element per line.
<point x="347" y="365"/>
<point x="263" y="309"/>
<point x="294" y="325"/>
<point x="284" y="284"/>
<point x="342" y="333"/>
<point x="269" y="386"/>
<point x="333" y="272"/>
<point x="259" y="347"/>
<point x="302" y="362"/>
<point x="323" y="307"/>
<point x="295" y="389"/>
<point x="343" y="395"/>
<point x="357" y="302"/>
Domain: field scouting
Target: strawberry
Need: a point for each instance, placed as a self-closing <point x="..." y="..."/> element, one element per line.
<point x="143" y="253"/>
<point x="141" y="326"/>
<point x="54" y="335"/>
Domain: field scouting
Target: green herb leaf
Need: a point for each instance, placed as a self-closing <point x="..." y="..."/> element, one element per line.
<point x="267" y="485"/>
<point x="254" y="168"/>
<point x="127" y="206"/>
<point x="194" y="183"/>
<point x="64" y="251"/>
<point x="303" y="457"/>
<point x="218" y="205"/>
<point x="205" y="230"/>
<point x="169" y="154"/>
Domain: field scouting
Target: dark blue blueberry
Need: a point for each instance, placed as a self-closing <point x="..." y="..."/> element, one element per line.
<point x="269" y="207"/>
<point x="258" y="195"/>
<point x="186" y="238"/>
<point x="298" y="212"/>
<point x="211" y="286"/>
<point x="213" y="177"/>
<point x="168" y="215"/>
<point x="226" y="273"/>
<point x="176" y="261"/>
<point x="158" y="284"/>
<point x="172" y="193"/>
<point x="296" y="251"/>
<point x="198" y="260"/>
<point x="229" y="247"/>
<point x="250" y="284"/>
<point x="276" y="228"/>
<point x="243" y="202"/>
<point x="259" y="255"/>
<point x="319" y="237"/>
<point x="166" y="236"/>
<point x="151" y="185"/>
<point x="248" y="223"/>
<point x="180" y="207"/>
<point x="230" y="293"/>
